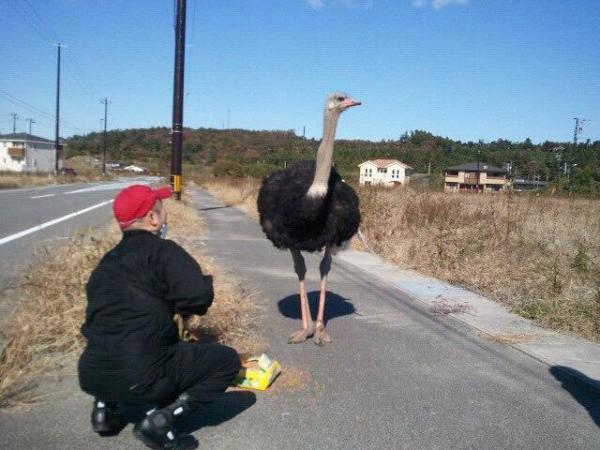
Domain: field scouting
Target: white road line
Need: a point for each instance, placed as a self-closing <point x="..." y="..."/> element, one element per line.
<point x="20" y="234"/>
<point x="43" y="196"/>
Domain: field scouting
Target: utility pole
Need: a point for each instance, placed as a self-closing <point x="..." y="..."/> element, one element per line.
<point x="228" y="117"/>
<point x="478" y="171"/>
<point x="57" y="130"/>
<point x="14" y="117"/>
<point x="177" y="130"/>
<point x="578" y="129"/>
<point x="105" y="102"/>
<point x="30" y="122"/>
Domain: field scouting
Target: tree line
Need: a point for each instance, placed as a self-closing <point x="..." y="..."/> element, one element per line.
<point x="236" y="152"/>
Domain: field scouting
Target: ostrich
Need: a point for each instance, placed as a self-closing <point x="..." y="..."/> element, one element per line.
<point x="308" y="207"/>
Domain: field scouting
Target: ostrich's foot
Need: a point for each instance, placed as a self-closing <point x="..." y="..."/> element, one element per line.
<point x="302" y="335"/>
<point x="322" y="337"/>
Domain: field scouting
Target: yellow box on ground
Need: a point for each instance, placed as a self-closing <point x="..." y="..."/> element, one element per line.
<point x="258" y="372"/>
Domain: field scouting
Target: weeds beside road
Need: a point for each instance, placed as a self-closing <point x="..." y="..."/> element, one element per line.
<point x="539" y="255"/>
<point x="43" y="337"/>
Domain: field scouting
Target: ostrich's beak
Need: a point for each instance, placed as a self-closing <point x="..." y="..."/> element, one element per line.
<point x="349" y="102"/>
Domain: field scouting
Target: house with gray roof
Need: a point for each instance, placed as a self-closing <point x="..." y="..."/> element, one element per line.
<point x="23" y="152"/>
<point x="475" y="177"/>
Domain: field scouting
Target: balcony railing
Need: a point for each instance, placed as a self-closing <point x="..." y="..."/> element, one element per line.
<point x="16" y="152"/>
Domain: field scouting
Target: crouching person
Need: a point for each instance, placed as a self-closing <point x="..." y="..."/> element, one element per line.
<point x="133" y="354"/>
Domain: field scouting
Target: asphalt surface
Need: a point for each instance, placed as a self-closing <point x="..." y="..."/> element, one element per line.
<point x="22" y="209"/>
<point x="395" y="377"/>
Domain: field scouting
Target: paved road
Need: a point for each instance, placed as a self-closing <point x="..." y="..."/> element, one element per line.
<point x="22" y="209"/>
<point x="396" y="377"/>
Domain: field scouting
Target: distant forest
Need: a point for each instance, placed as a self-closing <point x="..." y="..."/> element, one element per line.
<point x="237" y="152"/>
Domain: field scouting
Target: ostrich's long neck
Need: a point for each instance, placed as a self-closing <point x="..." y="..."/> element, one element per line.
<point x="324" y="157"/>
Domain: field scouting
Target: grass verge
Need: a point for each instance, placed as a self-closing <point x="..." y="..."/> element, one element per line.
<point x="43" y="337"/>
<point x="539" y="255"/>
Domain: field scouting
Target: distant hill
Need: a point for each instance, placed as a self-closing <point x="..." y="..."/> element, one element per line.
<point x="255" y="153"/>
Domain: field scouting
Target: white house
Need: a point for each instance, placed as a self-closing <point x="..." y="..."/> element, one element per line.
<point x="22" y="152"/>
<point x="386" y="172"/>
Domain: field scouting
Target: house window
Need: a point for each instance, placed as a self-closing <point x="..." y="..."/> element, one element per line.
<point x="382" y="170"/>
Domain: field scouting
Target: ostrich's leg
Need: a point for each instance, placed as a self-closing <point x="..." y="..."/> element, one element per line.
<point x="321" y="336"/>
<point x="307" y="324"/>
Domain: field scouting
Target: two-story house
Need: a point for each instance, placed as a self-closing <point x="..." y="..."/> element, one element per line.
<point x="384" y="172"/>
<point x="475" y="177"/>
<point x="22" y="152"/>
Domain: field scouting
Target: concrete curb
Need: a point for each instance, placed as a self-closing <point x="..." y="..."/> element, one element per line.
<point x="574" y="356"/>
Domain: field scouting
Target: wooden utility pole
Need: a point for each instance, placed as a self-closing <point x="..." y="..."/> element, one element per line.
<point x="31" y="121"/>
<point x="14" y="118"/>
<point x="57" y="123"/>
<point x="105" y="102"/>
<point x="177" y="129"/>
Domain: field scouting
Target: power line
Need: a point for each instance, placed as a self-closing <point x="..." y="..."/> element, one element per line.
<point x="22" y="103"/>
<point x="78" y="75"/>
<point x="36" y="22"/>
<point x="193" y="23"/>
<point x="41" y="22"/>
<point x="27" y="19"/>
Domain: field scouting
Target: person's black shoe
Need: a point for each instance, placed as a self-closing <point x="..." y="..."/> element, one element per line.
<point x="156" y="431"/>
<point x="106" y="419"/>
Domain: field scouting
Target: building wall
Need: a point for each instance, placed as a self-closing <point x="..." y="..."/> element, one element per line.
<point x="8" y="163"/>
<point x="371" y="174"/>
<point x="452" y="182"/>
<point x="39" y="157"/>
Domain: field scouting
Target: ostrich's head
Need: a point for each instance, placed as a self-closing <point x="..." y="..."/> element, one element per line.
<point x="339" y="102"/>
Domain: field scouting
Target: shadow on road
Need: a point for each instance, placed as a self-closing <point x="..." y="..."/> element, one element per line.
<point x="335" y="306"/>
<point x="225" y="408"/>
<point x="573" y="382"/>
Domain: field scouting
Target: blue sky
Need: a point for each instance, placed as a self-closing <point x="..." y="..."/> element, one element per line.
<point x="466" y="69"/>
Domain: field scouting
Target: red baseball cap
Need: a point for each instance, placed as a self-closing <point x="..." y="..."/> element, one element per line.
<point x="135" y="201"/>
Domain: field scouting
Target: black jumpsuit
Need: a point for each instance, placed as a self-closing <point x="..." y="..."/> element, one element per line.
<point x="133" y="353"/>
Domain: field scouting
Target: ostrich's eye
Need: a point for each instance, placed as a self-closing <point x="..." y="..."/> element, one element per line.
<point x="340" y="99"/>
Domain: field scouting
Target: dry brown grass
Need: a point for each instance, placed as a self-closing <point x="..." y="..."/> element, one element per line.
<point x="44" y="333"/>
<point x="539" y="255"/>
<point x="240" y="192"/>
<point x="12" y="180"/>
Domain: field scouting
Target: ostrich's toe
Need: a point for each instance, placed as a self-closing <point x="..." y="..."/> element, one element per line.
<point x="301" y="335"/>
<point x="322" y="337"/>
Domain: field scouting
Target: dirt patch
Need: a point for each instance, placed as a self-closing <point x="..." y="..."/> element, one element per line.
<point x="291" y="379"/>
<point x="510" y="338"/>
<point x="444" y="308"/>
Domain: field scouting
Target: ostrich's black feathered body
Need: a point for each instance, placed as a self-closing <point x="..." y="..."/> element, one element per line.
<point x="292" y="220"/>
